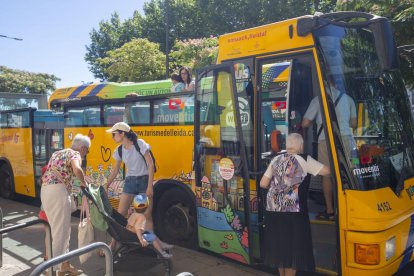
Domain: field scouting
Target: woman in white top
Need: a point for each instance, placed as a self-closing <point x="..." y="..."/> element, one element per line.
<point x="186" y="77"/>
<point x="288" y="240"/>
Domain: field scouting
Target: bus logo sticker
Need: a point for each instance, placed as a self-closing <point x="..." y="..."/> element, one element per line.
<point x="70" y="136"/>
<point x="410" y="192"/>
<point x="371" y="171"/>
<point x="226" y="168"/>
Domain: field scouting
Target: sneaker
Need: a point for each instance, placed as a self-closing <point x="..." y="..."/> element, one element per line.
<point x="165" y="254"/>
<point x="325" y="216"/>
<point x="167" y="246"/>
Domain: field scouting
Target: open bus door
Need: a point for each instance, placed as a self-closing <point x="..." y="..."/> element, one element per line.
<point x="222" y="180"/>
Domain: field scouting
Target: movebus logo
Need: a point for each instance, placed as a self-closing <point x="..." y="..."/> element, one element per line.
<point x="367" y="172"/>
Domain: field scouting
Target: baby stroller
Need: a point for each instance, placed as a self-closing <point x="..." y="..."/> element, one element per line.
<point x="128" y="241"/>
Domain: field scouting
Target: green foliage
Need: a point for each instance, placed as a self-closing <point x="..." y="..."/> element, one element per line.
<point x="136" y="61"/>
<point x="18" y="81"/>
<point x="110" y="35"/>
<point x="194" y="53"/>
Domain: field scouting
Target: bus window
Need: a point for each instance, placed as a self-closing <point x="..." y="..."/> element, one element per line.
<point x="113" y="114"/>
<point x="176" y="110"/>
<point x="92" y="116"/>
<point x="140" y="113"/>
<point x="18" y="119"/>
<point x="74" y="117"/>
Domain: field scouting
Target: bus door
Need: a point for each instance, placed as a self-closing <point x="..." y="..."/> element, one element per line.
<point x="222" y="181"/>
<point x="47" y="138"/>
<point x="286" y="85"/>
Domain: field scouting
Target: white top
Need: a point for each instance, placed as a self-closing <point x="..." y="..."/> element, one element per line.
<point x="135" y="164"/>
<point x="345" y="110"/>
<point x="309" y="166"/>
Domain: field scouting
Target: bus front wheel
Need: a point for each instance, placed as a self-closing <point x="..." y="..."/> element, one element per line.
<point x="175" y="218"/>
<point x="6" y="182"/>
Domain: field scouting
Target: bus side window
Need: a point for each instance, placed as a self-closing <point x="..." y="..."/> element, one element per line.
<point x="113" y="115"/>
<point x="74" y="118"/>
<point x="92" y="117"/>
<point x="140" y="113"/>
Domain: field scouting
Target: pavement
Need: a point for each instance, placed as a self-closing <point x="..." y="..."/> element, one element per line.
<point x="23" y="251"/>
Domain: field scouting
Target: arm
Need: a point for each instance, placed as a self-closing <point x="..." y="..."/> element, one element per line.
<point x="264" y="182"/>
<point x="150" y="164"/>
<point x="77" y="170"/>
<point x="353" y="122"/>
<point x="325" y="171"/>
<point x="306" y="123"/>
<point x="114" y="172"/>
<point x="140" y="236"/>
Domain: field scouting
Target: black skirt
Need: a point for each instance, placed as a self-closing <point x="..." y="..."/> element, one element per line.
<point x="288" y="241"/>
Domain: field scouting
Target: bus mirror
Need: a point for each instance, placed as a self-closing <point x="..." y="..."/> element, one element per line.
<point x="276" y="141"/>
<point x="385" y="47"/>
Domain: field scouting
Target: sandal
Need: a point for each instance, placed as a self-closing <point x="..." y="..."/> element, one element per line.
<point x="165" y="254"/>
<point x="68" y="270"/>
<point x="325" y="216"/>
<point x="100" y="252"/>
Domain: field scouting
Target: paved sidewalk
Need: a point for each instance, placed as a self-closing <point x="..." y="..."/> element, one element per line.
<point x="23" y="251"/>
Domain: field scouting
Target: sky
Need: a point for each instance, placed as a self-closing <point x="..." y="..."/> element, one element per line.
<point x="55" y="33"/>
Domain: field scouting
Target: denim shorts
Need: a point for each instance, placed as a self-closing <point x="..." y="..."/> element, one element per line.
<point x="135" y="184"/>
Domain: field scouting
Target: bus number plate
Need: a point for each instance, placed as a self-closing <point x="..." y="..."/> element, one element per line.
<point x="384" y="206"/>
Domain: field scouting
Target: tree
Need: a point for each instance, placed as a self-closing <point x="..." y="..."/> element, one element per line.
<point x="194" y="53"/>
<point x="18" y="81"/>
<point x="110" y="35"/>
<point x="136" y="61"/>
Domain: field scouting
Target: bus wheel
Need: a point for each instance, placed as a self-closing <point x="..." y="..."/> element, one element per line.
<point x="175" y="218"/>
<point x="6" y="182"/>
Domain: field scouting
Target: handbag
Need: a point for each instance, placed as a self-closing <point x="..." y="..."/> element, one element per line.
<point x="85" y="230"/>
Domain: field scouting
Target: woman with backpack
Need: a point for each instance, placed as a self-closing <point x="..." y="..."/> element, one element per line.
<point x="135" y="153"/>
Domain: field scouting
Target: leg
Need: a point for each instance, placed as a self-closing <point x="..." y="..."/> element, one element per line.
<point x="281" y="272"/>
<point x="327" y="192"/>
<point x="56" y="203"/>
<point x="290" y="272"/>
<point x="124" y="203"/>
<point x="148" y="215"/>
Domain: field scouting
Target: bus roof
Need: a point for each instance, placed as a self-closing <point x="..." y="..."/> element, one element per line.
<point x="110" y="90"/>
<point x="271" y="38"/>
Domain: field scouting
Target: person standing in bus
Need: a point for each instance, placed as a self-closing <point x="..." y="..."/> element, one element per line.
<point x="347" y="118"/>
<point x="186" y="77"/>
<point x="178" y="84"/>
<point x="287" y="235"/>
<point x="55" y="195"/>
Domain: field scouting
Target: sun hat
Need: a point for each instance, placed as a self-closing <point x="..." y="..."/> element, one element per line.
<point x="121" y="126"/>
<point x="140" y="201"/>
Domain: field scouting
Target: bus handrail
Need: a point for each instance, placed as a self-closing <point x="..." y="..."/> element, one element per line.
<point x="24" y="225"/>
<point x="77" y="252"/>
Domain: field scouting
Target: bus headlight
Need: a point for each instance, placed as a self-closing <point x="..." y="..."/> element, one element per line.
<point x="390" y="248"/>
<point x="367" y="254"/>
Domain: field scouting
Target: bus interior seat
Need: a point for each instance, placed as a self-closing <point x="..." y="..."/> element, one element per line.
<point x="140" y="114"/>
<point x="113" y="115"/>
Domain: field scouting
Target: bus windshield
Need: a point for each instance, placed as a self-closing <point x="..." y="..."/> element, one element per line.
<point x="381" y="151"/>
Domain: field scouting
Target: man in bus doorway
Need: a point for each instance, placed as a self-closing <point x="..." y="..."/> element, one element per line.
<point x="347" y="118"/>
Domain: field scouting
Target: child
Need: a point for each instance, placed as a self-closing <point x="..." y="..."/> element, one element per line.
<point x="178" y="84"/>
<point x="136" y="224"/>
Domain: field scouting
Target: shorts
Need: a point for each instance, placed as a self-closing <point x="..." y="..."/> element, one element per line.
<point x="323" y="150"/>
<point x="149" y="236"/>
<point x="136" y="185"/>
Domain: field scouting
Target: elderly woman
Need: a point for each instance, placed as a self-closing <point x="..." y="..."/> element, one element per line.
<point x="55" y="194"/>
<point x="288" y="241"/>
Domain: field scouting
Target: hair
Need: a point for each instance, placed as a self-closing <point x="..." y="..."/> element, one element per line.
<point x="131" y="135"/>
<point x="176" y="77"/>
<point x="188" y="73"/>
<point x="81" y="141"/>
<point x="294" y="142"/>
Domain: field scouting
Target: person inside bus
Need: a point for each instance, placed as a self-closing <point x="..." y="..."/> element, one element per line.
<point x="178" y="84"/>
<point x="139" y="165"/>
<point x="347" y="118"/>
<point x="186" y="78"/>
<point x="55" y="195"/>
<point x="287" y="235"/>
<point x="128" y="105"/>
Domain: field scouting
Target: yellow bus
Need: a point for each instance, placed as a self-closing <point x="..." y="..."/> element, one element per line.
<point x="212" y="146"/>
<point x="28" y="137"/>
